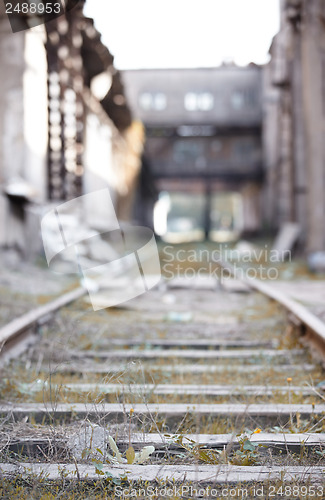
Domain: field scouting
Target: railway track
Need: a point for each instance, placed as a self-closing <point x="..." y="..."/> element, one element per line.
<point x="213" y="387"/>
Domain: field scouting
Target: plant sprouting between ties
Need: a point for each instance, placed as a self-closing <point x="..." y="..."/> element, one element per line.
<point x="129" y="457"/>
<point x="247" y="454"/>
<point x="198" y="451"/>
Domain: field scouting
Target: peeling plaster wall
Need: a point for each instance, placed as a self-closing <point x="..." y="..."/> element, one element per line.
<point x="35" y="111"/>
<point x="12" y="147"/>
<point x="11" y="102"/>
<point x="23" y="122"/>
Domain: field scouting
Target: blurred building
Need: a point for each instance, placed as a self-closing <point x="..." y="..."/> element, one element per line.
<point x="65" y="126"/>
<point x="229" y="150"/>
<point x="204" y="145"/>
<point x="295" y="122"/>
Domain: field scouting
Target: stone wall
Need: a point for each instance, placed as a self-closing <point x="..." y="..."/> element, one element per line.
<point x="296" y="176"/>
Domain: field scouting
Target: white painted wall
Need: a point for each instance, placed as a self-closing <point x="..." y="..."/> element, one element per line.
<point x="35" y="111"/>
<point x="99" y="169"/>
<point x="23" y="121"/>
<point x="11" y="117"/>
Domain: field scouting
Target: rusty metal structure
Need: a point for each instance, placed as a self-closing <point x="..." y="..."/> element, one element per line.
<point x="75" y="55"/>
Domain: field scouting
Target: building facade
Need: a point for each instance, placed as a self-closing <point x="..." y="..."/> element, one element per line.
<point x="204" y="145"/>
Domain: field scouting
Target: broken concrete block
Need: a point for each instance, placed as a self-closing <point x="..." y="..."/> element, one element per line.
<point x="87" y="441"/>
<point x="316" y="262"/>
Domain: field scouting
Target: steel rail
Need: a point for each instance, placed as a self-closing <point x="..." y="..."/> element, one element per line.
<point x="17" y="330"/>
<point x="314" y="332"/>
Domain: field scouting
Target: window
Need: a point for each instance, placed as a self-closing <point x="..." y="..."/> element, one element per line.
<point x="243" y="98"/>
<point x="198" y="101"/>
<point x="160" y="102"/>
<point x="237" y="100"/>
<point x="205" y="101"/>
<point x="196" y="130"/>
<point x="243" y="149"/>
<point x="146" y="101"/>
<point x="186" y="151"/>
<point x="190" y="102"/>
<point x="156" y="101"/>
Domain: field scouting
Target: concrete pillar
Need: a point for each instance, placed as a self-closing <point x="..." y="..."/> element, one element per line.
<point x="11" y="122"/>
<point x="35" y="111"/>
<point x="271" y="117"/>
<point x="314" y="115"/>
<point x="23" y="123"/>
<point x="251" y="199"/>
<point x="299" y="141"/>
<point x="11" y="102"/>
